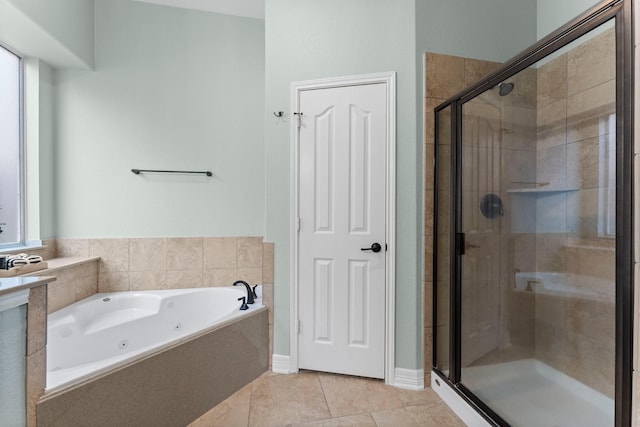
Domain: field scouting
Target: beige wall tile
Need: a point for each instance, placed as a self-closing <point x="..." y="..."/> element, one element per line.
<point x="551" y="124"/>
<point x="592" y="63"/>
<point x="113" y="281"/>
<point x="519" y="128"/>
<point x="444" y="74"/>
<point x="444" y="169"/>
<point x="72" y="247"/>
<point x="267" y="299"/>
<point x="250" y="275"/>
<point x="427" y="343"/>
<point x="86" y="286"/>
<point x="521" y="319"/>
<point x="598" y="101"/>
<point x="443" y="214"/>
<point x="592" y="362"/>
<point x="585" y="127"/>
<point x="60" y="294"/>
<point x="525" y="89"/>
<point x="249" y="251"/>
<point x="49" y="250"/>
<point x="552" y="81"/>
<point x="148" y="280"/>
<point x="428" y="259"/>
<point x="219" y="276"/>
<point x="585" y="164"/>
<point x="582" y="212"/>
<point x="590" y="318"/>
<point x="184" y="253"/>
<point x="551" y="167"/>
<point x="220" y="252"/>
<point x="182" y="279"/>
<point x="427" y="304"/>
<point x="66" y="275"/>
<point x="428" y="212"/>
<point x="87" y="269"/>
<point x="113" y="253"/>
<point x="37" y="319"/>
<point x="429" y="119"/>
<point x="475" y="69"/>
<point x="36" y="381"/>
<point x="267" y="262"/>
<point x="549" y="252"/>
<point x="147" y="254"/>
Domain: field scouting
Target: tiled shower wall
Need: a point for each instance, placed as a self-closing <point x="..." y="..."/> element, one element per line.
<point x="572" y="98"/>
<point x="445" y="75"/>
<point x="575" y="105"/>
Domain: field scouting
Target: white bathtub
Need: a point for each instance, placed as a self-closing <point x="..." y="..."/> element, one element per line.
<point x="110" y="329"/>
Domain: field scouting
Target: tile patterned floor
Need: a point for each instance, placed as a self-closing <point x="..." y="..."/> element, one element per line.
<point x="327" y="400"/>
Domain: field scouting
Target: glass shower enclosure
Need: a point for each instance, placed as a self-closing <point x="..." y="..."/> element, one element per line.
<point x="533" y="229"/>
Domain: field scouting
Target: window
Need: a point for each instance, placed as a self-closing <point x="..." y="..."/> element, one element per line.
<point x="11" y="165"/>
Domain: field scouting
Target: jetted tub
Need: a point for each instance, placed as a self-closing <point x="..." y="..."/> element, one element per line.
<point x="151" y="358"/>
<point x="107" y="329"/>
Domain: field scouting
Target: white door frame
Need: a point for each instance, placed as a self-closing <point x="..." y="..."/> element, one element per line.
<point x="389" y="79"/>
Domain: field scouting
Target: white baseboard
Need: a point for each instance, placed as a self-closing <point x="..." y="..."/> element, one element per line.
<point x="409" y="379"/>
<point x="280" y="364"/>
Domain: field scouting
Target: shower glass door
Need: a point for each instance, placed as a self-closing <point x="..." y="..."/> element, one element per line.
<point x="536" y="239"/>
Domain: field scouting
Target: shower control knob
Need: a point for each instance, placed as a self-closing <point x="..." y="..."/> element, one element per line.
<point x="375" y="248"/>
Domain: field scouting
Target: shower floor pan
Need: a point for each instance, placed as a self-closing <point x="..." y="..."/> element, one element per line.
<point x="530" y="393"/>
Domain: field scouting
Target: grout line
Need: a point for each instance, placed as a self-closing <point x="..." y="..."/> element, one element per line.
<point x="324" y="395"/>
<point x="250" y="403"/>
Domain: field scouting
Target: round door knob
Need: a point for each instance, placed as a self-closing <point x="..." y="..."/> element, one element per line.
<point x="375" y="248"/>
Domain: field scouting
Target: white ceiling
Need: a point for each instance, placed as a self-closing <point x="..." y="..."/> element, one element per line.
<point x="248" y="8"/>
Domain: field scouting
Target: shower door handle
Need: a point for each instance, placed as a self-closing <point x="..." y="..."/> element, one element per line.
<point x="463" y="245"/>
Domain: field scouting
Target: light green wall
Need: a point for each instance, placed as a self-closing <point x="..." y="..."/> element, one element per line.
<point x="490" y="30"/>
<point x="172" y="89"/>
<point x="58" y="31"/>
<point x="39" y="148"/>
<point x="552" y="14"/>
<point x="310" y="40"/>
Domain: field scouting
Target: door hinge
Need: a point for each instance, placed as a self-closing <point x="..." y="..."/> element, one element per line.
<point x="298" y="117"/>
<point x="298" y="224"/>
<point x="298" y="326"/>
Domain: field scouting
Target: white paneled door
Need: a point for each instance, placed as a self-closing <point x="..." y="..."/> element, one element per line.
<point x="341" y="289"/>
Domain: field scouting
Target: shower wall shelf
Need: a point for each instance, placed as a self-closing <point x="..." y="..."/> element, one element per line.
<point x="541" y="190"/>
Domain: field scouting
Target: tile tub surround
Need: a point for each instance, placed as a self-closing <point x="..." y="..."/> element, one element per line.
<point x="76" y="279"/>
<point x="320" y="399"/>
<point x="36" y="336"/>
<point x="169" y="388"/>
<point x="132" y="264"/>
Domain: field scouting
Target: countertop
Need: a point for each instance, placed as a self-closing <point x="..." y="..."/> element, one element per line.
<point x="13" y="284"/>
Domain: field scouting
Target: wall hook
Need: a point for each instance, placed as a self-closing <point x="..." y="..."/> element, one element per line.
<point x="279" y="114"/>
